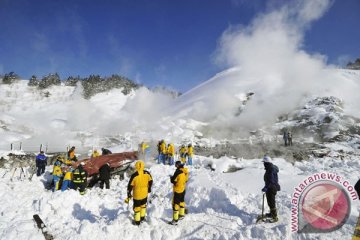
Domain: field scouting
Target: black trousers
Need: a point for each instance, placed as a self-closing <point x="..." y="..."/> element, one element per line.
<point x="107" y="183"/>
<point x="270" y="197"/>
<point x="40" y="170"/>
<point x="80" y="186"/>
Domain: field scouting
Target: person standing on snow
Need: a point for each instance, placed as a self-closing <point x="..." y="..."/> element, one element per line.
<point x="289" y="136"/>
<point x="183" y="153"/>
<point x="104" y="172"/>
<point x="57" y="175"/>
<point x="190" y="153"/>
<point x="285" y="137"/>
<point x="145" y="150"/>
<point x="271" y="186"/>
<point x="80" y="178"/>
<point x="179" y="180"/>
<point x="41" y="162"/>
<point x="140" y="185"/>
<point x="162" y="154"/>
<point x="170" y="153"/>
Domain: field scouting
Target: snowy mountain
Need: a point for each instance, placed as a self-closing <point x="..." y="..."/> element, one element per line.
<point x="232" y="120"/>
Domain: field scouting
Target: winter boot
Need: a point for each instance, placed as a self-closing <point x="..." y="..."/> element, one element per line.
<point x="273" y="214"/>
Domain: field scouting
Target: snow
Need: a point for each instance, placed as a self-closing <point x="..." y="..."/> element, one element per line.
<point x="221" y="205"/>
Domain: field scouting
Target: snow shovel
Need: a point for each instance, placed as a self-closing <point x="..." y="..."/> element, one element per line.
<point x="261" y="217"/>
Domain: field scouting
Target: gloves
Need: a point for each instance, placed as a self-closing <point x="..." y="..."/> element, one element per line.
<point x="149" y="190"/>
<point x="264" y="189"/>
<point x="127" y="200"/>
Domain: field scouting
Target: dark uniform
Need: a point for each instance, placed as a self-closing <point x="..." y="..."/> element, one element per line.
<point x="41" y="162"/>
<point x="179" y="180"/>
<point x="80" y="179"/>
<point x="140" y="184"/>
<point x="105" y="176"/>
<point x="271" y="186"/>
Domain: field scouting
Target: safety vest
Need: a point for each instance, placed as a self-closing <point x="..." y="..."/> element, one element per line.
<point x="57" y="171"/>
<point x="68" y="176"/>
<point x="190" y="151"/>
<point x="171" y="150"/>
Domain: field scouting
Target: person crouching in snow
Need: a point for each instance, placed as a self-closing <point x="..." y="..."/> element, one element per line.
<point x="140" y="185"/>
<point x="271" y="186"/>
<point x="41" y="162"/>
<point x="80" y="178"/>
<point x="179" y="180"/>
<point x="67" y="182"/>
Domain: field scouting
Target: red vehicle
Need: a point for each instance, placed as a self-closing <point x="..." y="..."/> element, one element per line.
<point x="119" y="162"/>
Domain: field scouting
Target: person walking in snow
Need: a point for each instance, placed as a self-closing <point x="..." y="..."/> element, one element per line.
<point x="139" y="185"/>
<point x="190" y="153"/>
<point x="285" y="137"/>
<point x="104" y="172"/>
<point x="106" y="151"/>
<point x="289" y="136"/>
<point x="271" y="186"/>
<point x="80" y="178"/>
<point x="356" y="235"/>
<point x="179" y="180"/>
<point x="41" y="162"/>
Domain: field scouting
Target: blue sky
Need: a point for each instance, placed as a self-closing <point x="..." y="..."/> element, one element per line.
<point x="155" y="42"/>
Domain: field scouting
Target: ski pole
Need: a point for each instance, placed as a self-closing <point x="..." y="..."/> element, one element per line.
<point x="263" y="202"/>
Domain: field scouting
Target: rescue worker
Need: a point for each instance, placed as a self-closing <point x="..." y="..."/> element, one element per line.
<point x="271" y="187"/>
<point x="57" y="175"/>
<point x="140" y="185"/>
<point x="289" y="136"/>
<point x="145" y="150"/>
<point x="162" y="154"/>
<point x="41" y="162"/>
<point x="183" y="153"/>
<point x="285" y="137"/>
<point x="104" y="172"/>
<point x="170" y="153"/>
<point x="105" y="151"/>
<point x="95" y="153"/>
<point x="190" y="153"/>
<point x="80" y="178"/>
<point x="356" y="235"/>
<point x="179" y="180"/>
<point x="71" y="154"/>
<point x="67" y="182"/>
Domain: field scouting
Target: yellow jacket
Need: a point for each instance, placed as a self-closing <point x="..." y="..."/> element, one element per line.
<point x="57" y="171"/>
<point x="179" y="179"/>
<point x="140" y="182"/>
<point x="68" y="175"/>
<point x="95" y="154"/>
<point x="190" y="151"/>
<point x="171" y="150"/>
<point x="163" y="148"/>
<point x="144" y="146"/>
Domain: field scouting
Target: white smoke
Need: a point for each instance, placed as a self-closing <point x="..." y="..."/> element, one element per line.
<point x="267" y="58"/>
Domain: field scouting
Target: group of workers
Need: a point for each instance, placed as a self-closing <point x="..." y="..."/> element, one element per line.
<point x="140" y="184"/>
<point x="166" y="154"/>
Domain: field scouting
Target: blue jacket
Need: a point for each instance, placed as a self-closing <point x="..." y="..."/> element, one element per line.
<point x="271" y="177"/>
<point x="41" y="160"/>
